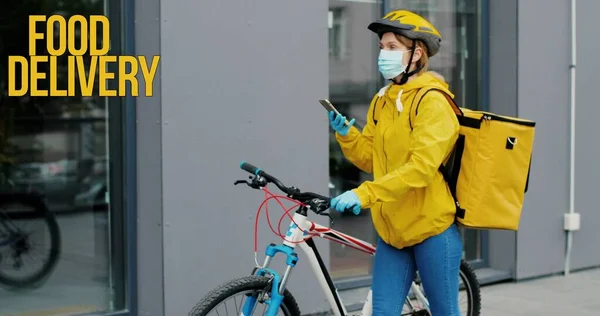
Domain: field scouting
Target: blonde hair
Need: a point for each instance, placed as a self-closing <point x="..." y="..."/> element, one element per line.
<point x="424" y="60"/>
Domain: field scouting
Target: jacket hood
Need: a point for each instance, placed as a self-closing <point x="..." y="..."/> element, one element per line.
<point x="429" y="79"/>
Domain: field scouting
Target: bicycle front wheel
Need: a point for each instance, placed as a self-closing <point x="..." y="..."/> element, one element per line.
<point x="229" y="298"/>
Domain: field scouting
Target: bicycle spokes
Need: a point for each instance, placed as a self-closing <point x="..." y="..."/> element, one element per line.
<point x="29" y="245"/>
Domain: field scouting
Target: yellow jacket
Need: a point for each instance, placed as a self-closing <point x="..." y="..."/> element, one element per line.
<point x="408" y="198"/>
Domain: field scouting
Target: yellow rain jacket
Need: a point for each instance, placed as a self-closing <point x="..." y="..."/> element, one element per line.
<point x="408" y="198"/>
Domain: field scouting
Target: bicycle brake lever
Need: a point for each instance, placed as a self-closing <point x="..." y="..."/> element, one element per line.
<point x="240" y="182"/>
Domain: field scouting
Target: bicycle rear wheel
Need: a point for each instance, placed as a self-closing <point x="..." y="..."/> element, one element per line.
<point x="469" y="296"/>
<point x="229" y="298"/>
<point x="469" y="286"/>
<point x="18" y="247"/>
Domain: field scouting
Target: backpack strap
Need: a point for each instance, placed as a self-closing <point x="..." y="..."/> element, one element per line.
<point x="451" y="170"/>
<point x="376" y="112"/>
<point x="376" y="100"/>
<point x="421" y="94"/>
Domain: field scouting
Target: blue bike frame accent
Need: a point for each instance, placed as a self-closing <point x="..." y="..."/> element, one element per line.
<point x="276" y="299"/>
<point x="291" y="257"/>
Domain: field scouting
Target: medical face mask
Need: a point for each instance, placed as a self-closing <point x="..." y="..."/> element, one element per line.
<point x="390" y="63"/>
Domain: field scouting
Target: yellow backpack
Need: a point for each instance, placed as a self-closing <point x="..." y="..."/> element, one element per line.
<point x="488" y="170"/>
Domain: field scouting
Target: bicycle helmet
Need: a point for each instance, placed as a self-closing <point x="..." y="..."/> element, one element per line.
<point x="411" y="26"/>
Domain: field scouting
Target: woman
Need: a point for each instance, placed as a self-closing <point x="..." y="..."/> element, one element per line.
<point x="412" y="208"/>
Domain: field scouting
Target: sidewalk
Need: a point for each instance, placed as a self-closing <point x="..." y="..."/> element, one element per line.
<point x="576" y="294"/>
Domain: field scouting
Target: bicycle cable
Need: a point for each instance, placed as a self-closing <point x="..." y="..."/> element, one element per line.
<point x="265" y="203"/>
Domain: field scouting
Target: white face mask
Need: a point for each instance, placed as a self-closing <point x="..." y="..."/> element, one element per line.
<point x="390" y="63"/>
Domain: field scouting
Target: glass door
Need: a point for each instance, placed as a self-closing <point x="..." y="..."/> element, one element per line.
<point x="460" y="62"/>
<point x="353" y="80"/>
<point x="61" y="231"/>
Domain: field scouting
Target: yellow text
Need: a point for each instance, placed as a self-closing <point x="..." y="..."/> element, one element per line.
<point x="88" y="35"/>
<point x="102" y="72"/>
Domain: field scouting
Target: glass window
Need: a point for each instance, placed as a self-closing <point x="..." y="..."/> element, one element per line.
<point x="57" y="218"/>
<point x="337" y="42"/>
<point x="354" y="80"/>
<point x="459" y="59"/>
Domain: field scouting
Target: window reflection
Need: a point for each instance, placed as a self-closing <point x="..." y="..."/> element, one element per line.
<point x="459" y="59"/>
<point x="353" y="80"/>
<point x="53" y="155"/>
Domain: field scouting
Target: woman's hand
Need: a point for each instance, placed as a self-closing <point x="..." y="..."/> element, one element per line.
<point x="345" y="201"/>
<point x="337" y="123"/>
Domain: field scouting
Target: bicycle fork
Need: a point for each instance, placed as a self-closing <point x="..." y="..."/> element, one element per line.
<point x="277" y="283"/>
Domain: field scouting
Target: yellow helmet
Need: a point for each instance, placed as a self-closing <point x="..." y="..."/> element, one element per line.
<point x="410" y="25"/>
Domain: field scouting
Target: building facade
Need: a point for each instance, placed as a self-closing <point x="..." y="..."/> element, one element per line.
<point x="142" y="188"/>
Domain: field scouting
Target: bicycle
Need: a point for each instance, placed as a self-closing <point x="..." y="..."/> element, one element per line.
<point x="267" y="286"/>
<point x="17" y="241"/>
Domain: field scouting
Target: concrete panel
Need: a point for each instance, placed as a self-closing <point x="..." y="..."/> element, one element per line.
<point x="240" y="81"/>
<point x="149" y="169"/>
<point x="543" y="95"/>
<point x="503" y="100"/>
<point x="585" y="247"/>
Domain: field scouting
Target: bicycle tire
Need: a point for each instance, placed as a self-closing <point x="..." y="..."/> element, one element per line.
<point x="40" y="210"/>
<point x="472" y="287"/>
<point x="237" y="286"/>
<point x="471" y="284"/>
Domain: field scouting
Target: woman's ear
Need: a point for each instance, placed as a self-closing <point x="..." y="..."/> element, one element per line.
<point x="417" y="55"/>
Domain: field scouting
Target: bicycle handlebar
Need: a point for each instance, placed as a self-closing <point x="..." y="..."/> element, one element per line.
<point x="292" y="192"/>
<point x="271" y="179"/>
<point x="250" y="168"/>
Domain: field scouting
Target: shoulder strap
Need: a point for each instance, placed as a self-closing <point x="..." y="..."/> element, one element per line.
<point x="376" y="99"/>
<point x="422" y="92"/>
<point x="450" y="178"/>
<point x="376" y="111"/>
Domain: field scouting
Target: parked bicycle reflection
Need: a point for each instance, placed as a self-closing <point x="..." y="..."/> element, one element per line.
<point x="56" y="234"/>
<point x="29" y="240"/>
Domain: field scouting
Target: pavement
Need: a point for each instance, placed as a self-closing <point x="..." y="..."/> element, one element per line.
<point x="576" y="294"/>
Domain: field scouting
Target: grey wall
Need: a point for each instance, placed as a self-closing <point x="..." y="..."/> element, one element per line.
<point x="503" y="100"/>
<point x="543" y="95"/>
<point x="585" y="245"/>
<point x="240" y="81"/>
<point x="529" y="77"/>
<point x="149" y="169"/>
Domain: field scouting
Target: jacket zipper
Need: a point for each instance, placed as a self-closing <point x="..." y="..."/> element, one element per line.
<point x="492" y="117"/>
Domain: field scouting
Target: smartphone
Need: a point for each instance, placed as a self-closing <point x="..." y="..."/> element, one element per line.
<point x="329" y="107"/>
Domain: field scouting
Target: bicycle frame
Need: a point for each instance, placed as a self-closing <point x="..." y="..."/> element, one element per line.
<point x="298" y="230"/>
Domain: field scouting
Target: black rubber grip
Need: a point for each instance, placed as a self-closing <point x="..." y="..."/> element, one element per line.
<point x="250" y="168"/>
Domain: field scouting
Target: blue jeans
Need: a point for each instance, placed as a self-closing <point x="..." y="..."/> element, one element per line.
<point x="438" y="261"/>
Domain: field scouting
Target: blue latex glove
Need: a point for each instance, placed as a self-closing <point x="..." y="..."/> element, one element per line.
<point x="337" y="123"/>
<point x="345" y="201"/>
